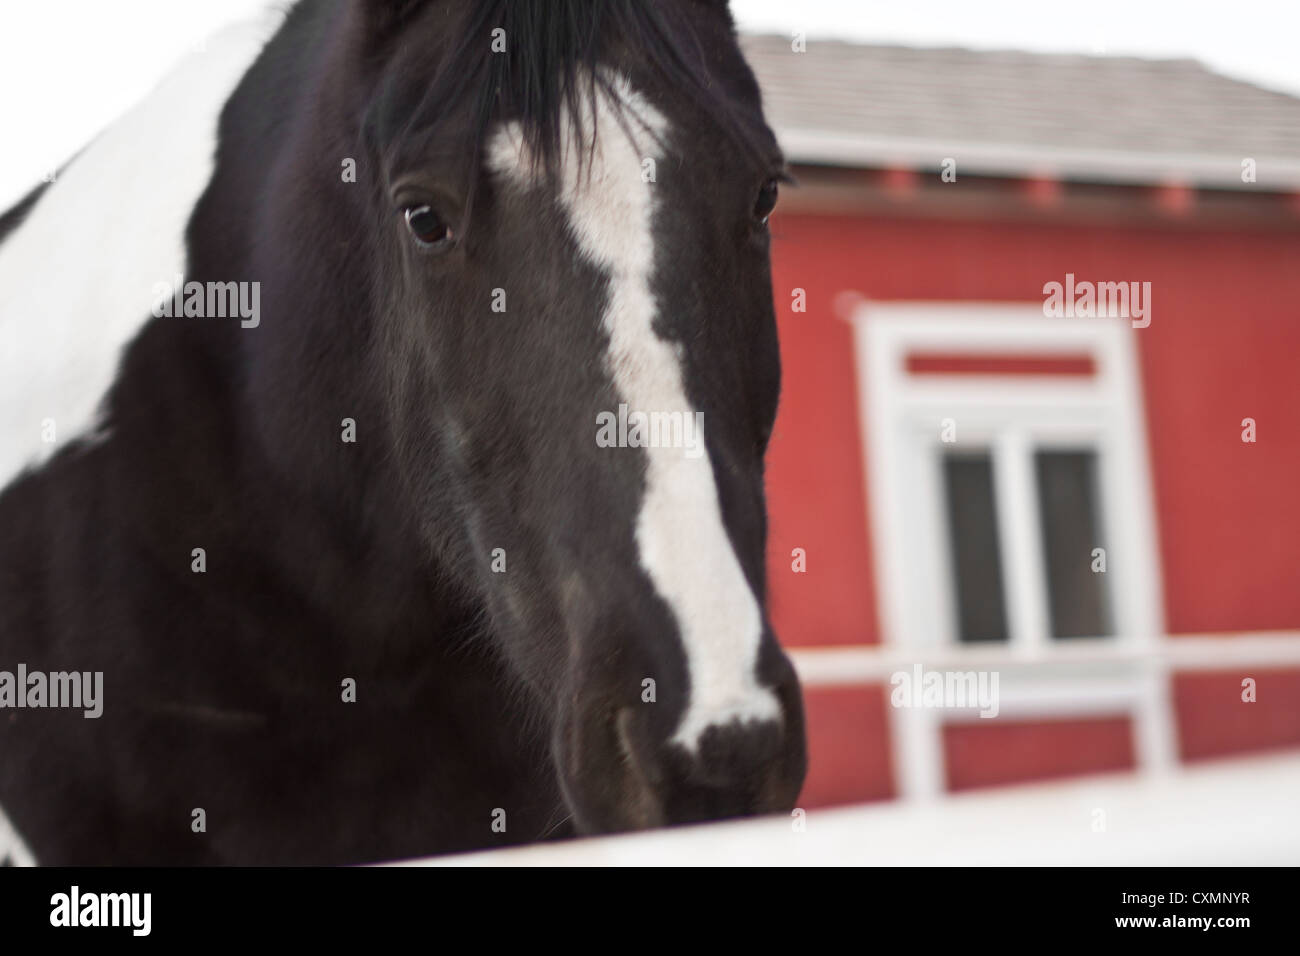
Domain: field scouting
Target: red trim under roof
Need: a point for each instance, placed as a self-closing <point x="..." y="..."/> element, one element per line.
<point x="966" y="363"/>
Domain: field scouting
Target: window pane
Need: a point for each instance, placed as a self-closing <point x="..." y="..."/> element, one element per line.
<point x="1070" y="512"/>
<point x="973" y="534"/>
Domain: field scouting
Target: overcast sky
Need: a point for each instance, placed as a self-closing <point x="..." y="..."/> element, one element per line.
<point x="68" y="67"/>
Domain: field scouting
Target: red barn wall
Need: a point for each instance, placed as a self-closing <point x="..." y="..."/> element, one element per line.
<point x="1223" y="345"/>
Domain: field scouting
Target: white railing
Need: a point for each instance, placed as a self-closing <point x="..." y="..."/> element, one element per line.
<point x="875" y="663"/>
<point x="1239" y="812"/>
<point x="1075" y="678"/>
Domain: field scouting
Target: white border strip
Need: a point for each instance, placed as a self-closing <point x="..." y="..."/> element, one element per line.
<point x="857" y="664"/>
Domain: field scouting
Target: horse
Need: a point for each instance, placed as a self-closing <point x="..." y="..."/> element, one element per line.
<point x="311" y="483"/>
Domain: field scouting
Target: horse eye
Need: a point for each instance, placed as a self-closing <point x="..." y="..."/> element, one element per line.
<point x="427" y="226"/>
<point x="766" y="201"/>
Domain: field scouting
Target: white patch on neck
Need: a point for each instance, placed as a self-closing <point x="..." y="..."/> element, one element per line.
<point x="683" y="542"/>
<point x="12" y="847"/>
<point x="77" y="276"/>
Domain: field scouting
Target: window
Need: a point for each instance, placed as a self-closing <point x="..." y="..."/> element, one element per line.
<point x="1007" y="477"/>
<point x="973" y="539"/>
<point x="1073" y="551"/>
<point x="1012" y="516"/>
<point x="1072" y="543"/>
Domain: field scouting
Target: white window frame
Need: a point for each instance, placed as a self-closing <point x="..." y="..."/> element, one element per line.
<point x="903" y="414"/>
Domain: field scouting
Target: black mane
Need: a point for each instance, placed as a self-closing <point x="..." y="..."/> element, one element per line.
<point x="553" y="51"/>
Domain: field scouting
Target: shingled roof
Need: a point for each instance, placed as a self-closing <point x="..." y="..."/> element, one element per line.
<point x="1073" y="117"/>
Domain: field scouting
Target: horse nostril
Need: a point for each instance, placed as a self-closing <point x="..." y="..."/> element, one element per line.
<point x="628" y="768"/>
<point x="735" y="769"/>
<point x="740" y="755"/>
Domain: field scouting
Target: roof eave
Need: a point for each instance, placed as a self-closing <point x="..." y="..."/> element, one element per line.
<point x="830" y="148"/>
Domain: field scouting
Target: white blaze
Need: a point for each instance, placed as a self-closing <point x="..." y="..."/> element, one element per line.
<point x="683" y="543"/>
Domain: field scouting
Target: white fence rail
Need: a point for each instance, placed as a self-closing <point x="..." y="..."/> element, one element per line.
<point x="1241" y="812"/>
